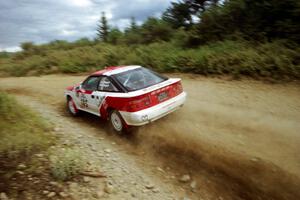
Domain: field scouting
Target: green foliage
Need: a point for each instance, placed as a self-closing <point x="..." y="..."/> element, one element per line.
<point x="103" y="28"/>
<point x="269" y="60"/>
<point x="132" y="38"/>
<point x="114" y="36"/>
<point x="199" y="6"/>
<point x="27" y="46"/>
<point x="255" y="20"/>
<point x="133" y="25"/>
<point x="185" y="39"/>
<point x="132" y="34"/>
<point x="278" y="59"/>
<point x="4" y="54"/>
<point x="178" y="15"/>
<point x="82" y="42"/>
<point x="66" y="163"/>
<point x="22" y="132"/>
<point x="155" y="30"/>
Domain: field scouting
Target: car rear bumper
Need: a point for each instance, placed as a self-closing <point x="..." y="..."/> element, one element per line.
<point x="153" y="113"/>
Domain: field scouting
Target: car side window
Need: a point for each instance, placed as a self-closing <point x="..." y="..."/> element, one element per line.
<point x="106" y="85"/>
<point x="91" y="83"/>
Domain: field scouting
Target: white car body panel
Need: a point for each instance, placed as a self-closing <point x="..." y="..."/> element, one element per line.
<point x="155" y="112"/>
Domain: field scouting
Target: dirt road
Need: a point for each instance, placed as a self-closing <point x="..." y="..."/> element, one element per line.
<point x="237" y="139"/>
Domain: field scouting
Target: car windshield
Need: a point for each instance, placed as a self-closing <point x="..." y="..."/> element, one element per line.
<point x="138" y="78"/>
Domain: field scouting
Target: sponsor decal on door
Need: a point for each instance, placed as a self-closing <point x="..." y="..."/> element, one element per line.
<point x="83" y="101"/>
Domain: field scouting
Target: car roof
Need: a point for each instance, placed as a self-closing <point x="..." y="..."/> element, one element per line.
<point x="108" y="71"/>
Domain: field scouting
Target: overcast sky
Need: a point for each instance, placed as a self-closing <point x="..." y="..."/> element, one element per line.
<point x="42" y="21"/>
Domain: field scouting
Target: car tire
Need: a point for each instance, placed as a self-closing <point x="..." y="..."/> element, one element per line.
<point x="72" y="107"/>
<point x="116" y="122"/>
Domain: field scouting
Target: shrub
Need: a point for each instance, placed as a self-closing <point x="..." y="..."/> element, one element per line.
<point x="66" y="163"/>
<point x="273" y="59"/>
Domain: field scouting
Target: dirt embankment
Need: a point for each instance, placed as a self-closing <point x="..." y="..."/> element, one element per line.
<point x="236" y="138"/>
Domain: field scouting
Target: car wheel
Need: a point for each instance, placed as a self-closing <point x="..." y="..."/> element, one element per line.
<point x="116" y="121"/>
<point x="72" y="107"/>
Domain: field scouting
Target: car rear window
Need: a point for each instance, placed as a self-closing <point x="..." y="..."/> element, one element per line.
<point x="139" y="78"/>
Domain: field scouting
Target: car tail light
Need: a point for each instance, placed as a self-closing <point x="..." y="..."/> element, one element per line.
<point x="154" y="98"/>
<point x="139" y="103"/>
<point x="177" y="88"/>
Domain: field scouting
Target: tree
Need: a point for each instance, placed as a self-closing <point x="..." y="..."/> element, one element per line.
<point x="114" y="36"/>
<point x="59" y="44"/>
<point x="133" y="26"/>
<point x="132" y="34"/>
<point x="154" y="30"/>
<point x="178" y="15"/>
<point x="27" y="46"/>
<point x="199" y="6"/>
<point x="83" y="42"/>
<point x="259" y="20"/>
<point x="103" y="28"/>
<point x="182" y="13"/>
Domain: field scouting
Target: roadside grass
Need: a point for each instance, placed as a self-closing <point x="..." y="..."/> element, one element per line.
<point x="23" y="136"/>
<point x="26" y="152"/>
<point x="277" y="60"/>
<point x="22" y="132"/>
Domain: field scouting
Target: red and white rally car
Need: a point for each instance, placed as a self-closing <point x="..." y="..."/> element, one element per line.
<point x="126" y="96"/>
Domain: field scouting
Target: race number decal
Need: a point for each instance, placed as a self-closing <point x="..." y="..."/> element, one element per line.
<point x="83" y="101"/>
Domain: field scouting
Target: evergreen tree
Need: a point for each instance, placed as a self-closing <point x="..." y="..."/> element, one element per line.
<point x="178" y="15"/>
<point x="103" y="29"/>
<point x="155" y="30"/>
<point x="133" y="26"/>
<point x="114" y="36"/>
<point x="199" y="6"/>
<point x="132" y="33"/>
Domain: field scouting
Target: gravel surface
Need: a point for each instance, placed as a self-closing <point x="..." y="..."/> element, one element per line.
<point x="125" y="177"/>
<point x="231" y="140"/>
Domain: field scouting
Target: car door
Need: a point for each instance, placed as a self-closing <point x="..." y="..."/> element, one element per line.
<point x="86" y="94"/>
<point x="105" y="88"/>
